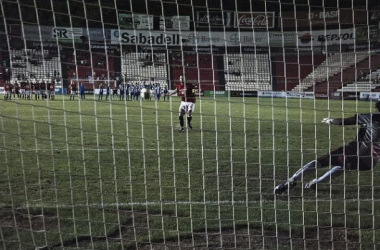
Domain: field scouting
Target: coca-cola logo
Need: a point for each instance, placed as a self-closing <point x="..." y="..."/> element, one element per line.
<point x="255" y="20"/>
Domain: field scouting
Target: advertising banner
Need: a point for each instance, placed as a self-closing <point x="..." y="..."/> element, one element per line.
<point x="365" y="34"/>
<point x="370" y="95"/>
<point x="226" y="39"/>
<point x="286" y="94"/>
<point x="276" y="94"/>
<point x="303" y="95"/>
<point x="97" y="34"/>
<point x="35" y="33"/>
<point x="327" y="16"/>
<point x="175" y="23"/>
<point x="136" y="21"/>
<point x="326" y="37"/>
<point x="243" y="93"/>
<point x="216" y="93"/>
<point x="44" y="44"/>
<point x="233" y="39"/>
<point x="66" y="34"/>
<point x="249" y="20"/>
<point x="32" y="32"/>
<point x="136" y="37"/>
<point x="214" y="19"/>
<point x="280" y="39"/>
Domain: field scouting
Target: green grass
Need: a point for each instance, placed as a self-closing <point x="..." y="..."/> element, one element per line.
<point x="61" y="160"/>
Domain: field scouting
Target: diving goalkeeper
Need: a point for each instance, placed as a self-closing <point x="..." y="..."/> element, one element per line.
<point x="361" y="154"/>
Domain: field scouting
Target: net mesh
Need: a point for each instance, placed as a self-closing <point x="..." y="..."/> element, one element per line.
<point x="189" y="124"/>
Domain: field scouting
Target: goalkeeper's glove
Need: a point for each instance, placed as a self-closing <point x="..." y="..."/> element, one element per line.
<point x="327" y="120"/>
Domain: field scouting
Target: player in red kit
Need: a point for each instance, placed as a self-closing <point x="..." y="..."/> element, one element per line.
<point x="8" y="91"/>
<point x="187" y="92"/>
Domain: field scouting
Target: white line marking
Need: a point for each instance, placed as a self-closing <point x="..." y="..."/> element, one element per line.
<point x="157" y="203"/>
<point x="125" y="149"/>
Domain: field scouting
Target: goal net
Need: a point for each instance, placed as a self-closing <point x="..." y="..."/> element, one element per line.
<point x="202" y="125"/>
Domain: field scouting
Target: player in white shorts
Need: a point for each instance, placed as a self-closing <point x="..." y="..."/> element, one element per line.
<point x="22" y="90"/>
<point x="27" y="91"/>
<point x="187" y="106"/>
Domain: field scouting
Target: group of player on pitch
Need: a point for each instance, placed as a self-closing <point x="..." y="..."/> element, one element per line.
<point x="361" y="154"/>
<point x="24" y="90"/>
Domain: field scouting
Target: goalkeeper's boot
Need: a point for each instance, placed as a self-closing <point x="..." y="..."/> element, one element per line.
<point x="311" y="185"/>
<point x="181" y="130"/>
<point x="283" y="187"/>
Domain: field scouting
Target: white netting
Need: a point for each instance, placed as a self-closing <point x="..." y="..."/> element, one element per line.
<point x="99" y="149"/>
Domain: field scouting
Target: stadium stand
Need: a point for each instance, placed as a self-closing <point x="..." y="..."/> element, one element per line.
<point x="365" y="83"/>
<point x="198" y="68"/>
<point x="291" y="69"/>
<point x="247" y="72"/>
<point x="359" y="87"/>
<point x="348" y="75"/>
<point x="35" y="65"/>
<point x="90" y="64"/>
<point x="144" y="66"/>
<point x="332" y="66"/>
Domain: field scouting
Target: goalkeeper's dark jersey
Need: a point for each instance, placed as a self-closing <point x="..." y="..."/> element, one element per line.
<point x="369" y="135"/>
<point x="364" y="151"/>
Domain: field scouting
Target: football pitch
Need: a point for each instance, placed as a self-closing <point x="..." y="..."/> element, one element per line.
<point x="118" y="175"/>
